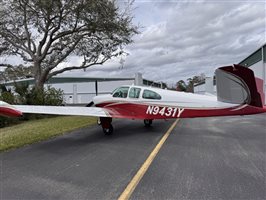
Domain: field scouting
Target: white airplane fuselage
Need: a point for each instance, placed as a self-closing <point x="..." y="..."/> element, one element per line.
<point x="172" y="104"/>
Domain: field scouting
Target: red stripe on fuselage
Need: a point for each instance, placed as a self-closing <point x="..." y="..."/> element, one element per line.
<point x="143" y="111"/>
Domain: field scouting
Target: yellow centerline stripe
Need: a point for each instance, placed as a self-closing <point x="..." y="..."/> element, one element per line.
<point x="136" y="179"/>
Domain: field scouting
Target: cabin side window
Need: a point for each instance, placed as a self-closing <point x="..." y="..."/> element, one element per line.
<point x="134" y="92"/>
<point x="148" y="94"/>
<point x="121" y="92"/>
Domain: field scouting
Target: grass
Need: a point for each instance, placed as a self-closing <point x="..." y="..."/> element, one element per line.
<point x="38" y="130"/>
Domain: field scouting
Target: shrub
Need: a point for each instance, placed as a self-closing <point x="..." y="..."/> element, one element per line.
<point x="26" y="95"/>
<point x="33" y="96"/>
<point x="7" y="96"/>
<point x="53" y="96"/>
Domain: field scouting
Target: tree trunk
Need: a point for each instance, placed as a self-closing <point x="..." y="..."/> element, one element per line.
<point x="39" y="84"/>
<point x="39" y="79"/>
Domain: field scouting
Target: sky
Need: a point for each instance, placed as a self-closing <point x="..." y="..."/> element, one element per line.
<point x="181" y="39"/>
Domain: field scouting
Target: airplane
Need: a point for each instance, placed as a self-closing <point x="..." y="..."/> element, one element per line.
<point x="238" y="93"/>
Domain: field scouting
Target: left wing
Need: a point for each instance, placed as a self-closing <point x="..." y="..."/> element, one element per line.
<point x="64" y="110"/>
<point x="18" y="110"/>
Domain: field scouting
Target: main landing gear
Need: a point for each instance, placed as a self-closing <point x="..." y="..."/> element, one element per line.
<point x="147" y="122"/>
<point x="106" y="123"/>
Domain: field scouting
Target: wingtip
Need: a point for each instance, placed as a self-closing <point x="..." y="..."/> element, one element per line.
<point x="8" y="110"/>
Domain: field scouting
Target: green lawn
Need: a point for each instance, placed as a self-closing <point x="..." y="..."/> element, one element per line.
<point x="37" y="130"/>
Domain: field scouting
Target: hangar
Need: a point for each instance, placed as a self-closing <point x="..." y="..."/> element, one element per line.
<point x="81" y="90"/>
<point x="255" y="61"/>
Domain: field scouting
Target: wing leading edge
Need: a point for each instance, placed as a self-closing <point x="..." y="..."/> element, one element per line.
<point x="62" y="110"/>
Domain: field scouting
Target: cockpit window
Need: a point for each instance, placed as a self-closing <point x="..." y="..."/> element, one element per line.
<point x="148" y="94"/>
<point x="121" y="92"/>
<point x="134" y="92"/>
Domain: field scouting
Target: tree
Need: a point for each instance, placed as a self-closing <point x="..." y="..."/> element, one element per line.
<point x="44" y="33"/>
<point x="193" y="81"/>
<point x="181" y="86"/>
<point x="189" y="86"/>
<point x="16" y="72"/>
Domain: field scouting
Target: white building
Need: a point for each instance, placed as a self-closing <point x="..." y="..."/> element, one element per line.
<point x="207" y="86"/>
<point x="257" y="62"/>
<point x="81" y="90"/>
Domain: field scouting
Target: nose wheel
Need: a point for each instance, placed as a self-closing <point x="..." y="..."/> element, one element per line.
<point x="106" y="123"/>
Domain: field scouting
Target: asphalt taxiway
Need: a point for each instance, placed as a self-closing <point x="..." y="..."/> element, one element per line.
<point x="203" y="158"/>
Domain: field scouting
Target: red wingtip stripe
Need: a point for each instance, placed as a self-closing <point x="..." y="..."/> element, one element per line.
<point x="10" y="112"/>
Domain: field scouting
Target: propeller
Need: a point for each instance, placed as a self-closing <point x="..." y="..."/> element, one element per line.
<point x="90" y="104"/>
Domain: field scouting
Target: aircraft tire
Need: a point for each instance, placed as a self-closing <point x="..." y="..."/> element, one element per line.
<point x="147" y="122"/>
<point x="108" y="131"/>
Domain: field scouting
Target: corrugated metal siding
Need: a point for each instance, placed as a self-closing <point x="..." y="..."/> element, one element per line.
<point x="253" y="58"/>
<point x="264" y="53"/>
<point x="151" y="83"/>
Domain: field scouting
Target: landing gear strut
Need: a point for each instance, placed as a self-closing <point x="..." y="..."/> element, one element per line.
<point x="106" y="123"/>
<point x="147" y="122"/>
<point x="99" y="121"/>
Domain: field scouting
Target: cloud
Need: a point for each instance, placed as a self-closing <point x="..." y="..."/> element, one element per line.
<point x="181" y="39"/>
<point x="195" y="37"/>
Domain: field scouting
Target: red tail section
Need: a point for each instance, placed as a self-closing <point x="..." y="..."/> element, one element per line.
<point x="259" y="83"/>
<point x="237" y="84"/>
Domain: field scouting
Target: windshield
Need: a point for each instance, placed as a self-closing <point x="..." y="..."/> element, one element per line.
<point x="121" y="92"/>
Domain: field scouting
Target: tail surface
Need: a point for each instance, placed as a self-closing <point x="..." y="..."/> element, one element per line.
<point x="237" y="84"/>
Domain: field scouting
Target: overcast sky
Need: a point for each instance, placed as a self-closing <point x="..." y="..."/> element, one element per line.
<point x="180" y="39"/>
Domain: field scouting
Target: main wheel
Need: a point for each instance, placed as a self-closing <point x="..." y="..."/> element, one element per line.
<point x="147" y="122"/>
<point x="108" y="131"/>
